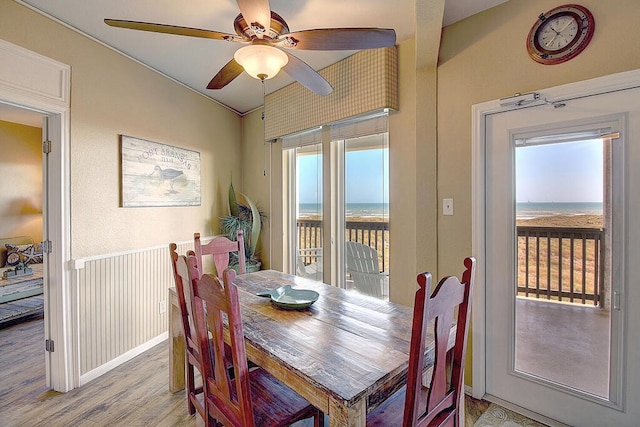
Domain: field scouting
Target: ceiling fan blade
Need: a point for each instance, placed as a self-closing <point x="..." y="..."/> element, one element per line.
<point x="338" y="39"/>
<point x="306" y="76"/>
<point x="257" y="13"/>
<point x="229" y="72"/>
<point x="172" y="29"/>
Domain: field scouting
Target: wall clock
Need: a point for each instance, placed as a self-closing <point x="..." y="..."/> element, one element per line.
<point x="560" y="34"/>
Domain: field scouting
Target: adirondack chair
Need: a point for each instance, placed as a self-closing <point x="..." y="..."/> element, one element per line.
<point x="313" y="270"/>
<point x="364" y="268"/>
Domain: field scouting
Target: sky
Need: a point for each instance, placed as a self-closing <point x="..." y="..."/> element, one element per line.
<point x="563" y="172"/>
<point x="367" y="176"/>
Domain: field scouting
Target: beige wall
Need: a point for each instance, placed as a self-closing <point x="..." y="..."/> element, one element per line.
<point x="257" y="179"/>
<point x="484" y="58"/>
<point x="21" y="182"/>
<point x="403" y="185"/>
<point x="112" y="95"/>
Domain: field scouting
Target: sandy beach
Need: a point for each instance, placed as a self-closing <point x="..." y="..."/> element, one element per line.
<point x="586" y="221"/>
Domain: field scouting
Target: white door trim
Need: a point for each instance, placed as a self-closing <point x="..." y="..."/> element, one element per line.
<point x="610" y="83"/>
<point x="36" y="82"/>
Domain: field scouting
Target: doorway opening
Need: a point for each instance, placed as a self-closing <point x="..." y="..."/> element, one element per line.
<point x="22" y="311"/>
<point x="21" y="210"/>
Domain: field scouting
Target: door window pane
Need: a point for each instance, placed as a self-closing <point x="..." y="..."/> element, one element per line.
<point x="562" y="318"/>
<point x="366" y="219"/>
<point x="309" y="212"/>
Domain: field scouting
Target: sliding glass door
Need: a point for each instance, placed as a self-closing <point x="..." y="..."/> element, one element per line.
<point x="338" y="194"/>
<point x="366" y="214"/>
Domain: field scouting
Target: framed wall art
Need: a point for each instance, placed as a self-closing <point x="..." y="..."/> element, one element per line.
<point x="155" y="174"/>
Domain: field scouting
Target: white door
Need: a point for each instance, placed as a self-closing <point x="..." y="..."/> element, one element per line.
<point x="546" y="350"/>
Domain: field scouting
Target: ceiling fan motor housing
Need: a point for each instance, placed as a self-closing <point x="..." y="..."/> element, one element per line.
<point x="255" y="30"/>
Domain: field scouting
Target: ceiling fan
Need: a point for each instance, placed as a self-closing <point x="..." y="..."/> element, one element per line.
<point x="265" y="33"/>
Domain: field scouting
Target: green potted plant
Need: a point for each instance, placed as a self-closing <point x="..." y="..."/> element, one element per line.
<point x="241" y="217"/>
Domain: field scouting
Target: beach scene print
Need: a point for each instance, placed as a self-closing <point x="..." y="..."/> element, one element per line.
<point x="155" y="174"/>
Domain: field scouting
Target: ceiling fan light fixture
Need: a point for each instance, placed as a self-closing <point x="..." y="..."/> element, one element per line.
<point x="261" y="62"/>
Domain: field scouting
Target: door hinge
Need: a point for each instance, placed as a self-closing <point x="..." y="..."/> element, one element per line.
<point x="616" y="300"/>
<point x="48" y="346"/>
<point x="47" y="246"/>
<point x="46" y="146"/>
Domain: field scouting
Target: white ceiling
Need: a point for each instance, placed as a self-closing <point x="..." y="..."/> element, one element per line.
<point x="194" y="61"/>
<point x="23" y="116"/>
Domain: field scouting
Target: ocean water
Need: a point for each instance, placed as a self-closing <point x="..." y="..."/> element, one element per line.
<point x="369" y="210"/>
<point x="526" y="210"/>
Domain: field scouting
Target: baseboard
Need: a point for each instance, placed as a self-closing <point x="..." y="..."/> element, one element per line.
<point x="125" y="357"/>
<point x="522" y="411"/>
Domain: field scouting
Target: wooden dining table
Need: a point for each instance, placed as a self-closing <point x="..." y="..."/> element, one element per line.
<point x="345" y="354"/>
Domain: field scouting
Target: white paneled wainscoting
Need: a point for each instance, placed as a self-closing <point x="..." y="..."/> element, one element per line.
<point x="121" y="306"/>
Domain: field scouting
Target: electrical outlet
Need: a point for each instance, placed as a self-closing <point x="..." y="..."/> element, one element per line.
<point x="447" y="206"/>
<point x="162" y="307"/>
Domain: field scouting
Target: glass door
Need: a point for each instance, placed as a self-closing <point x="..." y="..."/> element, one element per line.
<point x="309" y="217"/>
<point x="337" y="193"/>
<point x="366" y="215"/>
<point x="557" y="255"/>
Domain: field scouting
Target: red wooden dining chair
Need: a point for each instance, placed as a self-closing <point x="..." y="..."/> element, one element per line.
<point x="220" y="247"/>
<point x="193" y="361"/>
<point x="252" y="398"/>
<point x="437" y="404"/>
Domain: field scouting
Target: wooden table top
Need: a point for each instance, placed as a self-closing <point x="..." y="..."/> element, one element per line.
<point x="347" y="346"/>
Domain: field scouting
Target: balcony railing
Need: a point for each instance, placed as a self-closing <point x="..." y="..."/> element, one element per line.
<point x="561" y="263"/>
<point x="370" y="233"/>
<point x="555" y="263"/>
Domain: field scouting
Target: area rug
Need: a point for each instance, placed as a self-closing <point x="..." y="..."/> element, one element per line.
<point x="497" y="416"/>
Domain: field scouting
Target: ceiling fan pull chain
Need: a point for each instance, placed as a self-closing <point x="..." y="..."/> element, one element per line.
<point x="264" y="130"/>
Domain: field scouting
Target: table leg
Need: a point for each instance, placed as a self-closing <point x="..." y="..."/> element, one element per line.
<point x="176" y="345"/>
<point x="340" y="415"/>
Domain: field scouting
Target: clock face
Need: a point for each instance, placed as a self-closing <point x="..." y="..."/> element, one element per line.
<point x="560" y="34"/>
<point x="555" y="34"/>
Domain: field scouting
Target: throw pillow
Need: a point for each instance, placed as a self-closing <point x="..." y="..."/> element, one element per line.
<point x="16" y="253"/>
<point x="28" y="254"/>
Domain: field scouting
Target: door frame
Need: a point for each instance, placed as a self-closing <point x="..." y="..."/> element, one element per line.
<point x="39" y="83"/>
<point x="480" y="112"/>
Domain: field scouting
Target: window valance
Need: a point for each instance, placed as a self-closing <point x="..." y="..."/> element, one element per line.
<point x="364" y="82"/>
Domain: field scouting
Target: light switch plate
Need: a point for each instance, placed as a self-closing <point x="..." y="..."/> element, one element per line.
<point x="447" y="206"/>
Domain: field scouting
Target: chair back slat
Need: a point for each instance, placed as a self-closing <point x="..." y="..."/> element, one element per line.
<point x="220" y="247"/>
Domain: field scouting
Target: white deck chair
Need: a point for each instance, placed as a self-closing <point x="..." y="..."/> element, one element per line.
<point x="364" y="268"/>
<point x="313" y="270"/>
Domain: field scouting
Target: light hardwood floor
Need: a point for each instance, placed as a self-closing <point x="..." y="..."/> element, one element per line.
<point x="133" y="394"/>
